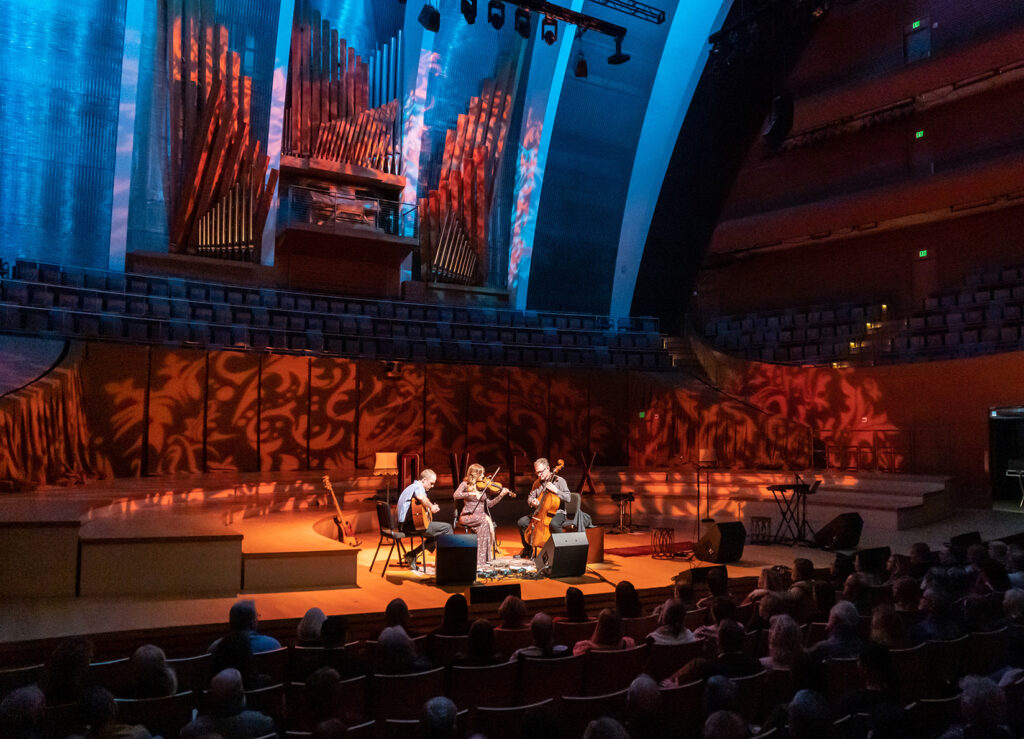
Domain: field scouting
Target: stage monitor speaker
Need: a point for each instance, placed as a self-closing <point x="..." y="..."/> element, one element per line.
<point x="493" y="593"/>
<point x="842" y="532"/>
<point x="564" y="555"/>
<point x="456" y="559"/>
<point x="722" y="543"/>
<point x="698" y="575"/>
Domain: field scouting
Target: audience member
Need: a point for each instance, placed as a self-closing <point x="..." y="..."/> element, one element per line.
<point x="843" y="638"/>
<point x="605" y="728"/>
<point x="725" y="725"/>
<point x="887" y="628"/>
<point x="455" y="621"/>
<point x="991" y="578"/>
<point x="1000" y="552"/>
<point x="397" y="614"/>
<point x="627" y="600"/>
<point x="512" y="613"/>
<point x="438" y="719"/>
<point x="1015" y="566"/>
<point x="808" y="716"/>
<point x="940" y="622"/>
<point x="148" y="674"/>
<point x="334" y="631"/>
<point x="898" y="566"/>
<point x="672" y="625"/>
<point x="801" y="593"/>
<point x="235" y="651"/>
<point x="242" y="618"/>
<point x="644" y="709"/>
<point x="785" y="645"/>
<point x="906" y="595"/>
<point x="842" y="567"/>
<point x="876" y="675"/>
<point x="543" y="646"/>
<point x="481" y="650"/>
<point x="982" y="709"/>
<point x="607" y="635"/>
<point x="1013" y="606"/>
<point x="98" y="712"/>
<point x="332" y="728"/>
<point x="395" y="653"/>
<point x="226" y="713"/>
<point x="720" y="694"/>
<point x="718" y="587"/>
<point x="575" y="607"/>
<point x="857" y="590"/>
<point x="921" y="560"/>
<point x="66" y="675"/>
<point x="21" y="713"/>
<point x="722" y="607"/>
<point x="731" y="661"/>
<point x="308" y="630"/>
<point x="771" y="604"/>
<point x="682" y="590"/>
<point x="324" y="699"/>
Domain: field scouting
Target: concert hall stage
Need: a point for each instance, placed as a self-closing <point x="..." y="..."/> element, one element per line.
<point x="111" y="558"/>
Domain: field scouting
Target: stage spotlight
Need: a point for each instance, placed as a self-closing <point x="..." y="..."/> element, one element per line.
<point x="549" y="30"/>
<point x="618" y="57"/>
<point x="522" y="22"/>
<point x="496" y="14"/>
<point x="469" y="11"/>
<point x="581" y="65"/>
<point x="430" y="18"/>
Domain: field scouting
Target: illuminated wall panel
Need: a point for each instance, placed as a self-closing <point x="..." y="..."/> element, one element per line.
<point x="114" y="393"/>
<point x="60" y="78"/>
<point x="447" y="400"/>
<point x="567" y="424"/>
<point x="487" y="426"/>
<point x="528" y="412"/>
<point x="177" y="399"/>
<point x="284" y="412"/>
<point x="390" y="411"/>
<point x="232" y="411"/>
<point x="333" y="399"/>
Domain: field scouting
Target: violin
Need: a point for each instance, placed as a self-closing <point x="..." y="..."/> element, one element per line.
<point x="492" y="485"/>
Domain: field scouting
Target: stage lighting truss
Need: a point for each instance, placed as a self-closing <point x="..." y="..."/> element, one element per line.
<point x="549" y="30"/>
<point x="469" y="11"/>
<point x="496" y="14"/>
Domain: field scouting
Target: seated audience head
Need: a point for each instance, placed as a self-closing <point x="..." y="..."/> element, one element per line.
<point x="843" y="618"/>
<point x="993" y="575"/>
<point x="785" y="641"/>
<point x="480" y="645"/>
<point x="308" y="630"/>
<point x="627" y="600"/>
<point x="97" y="710"/>
<point x="227" y="692"/>
<point x="332" y="728"/>
<point x="608" y="631"/>
<point x="395" y="653"/>
<point x="333" y="631"/>
<point x="906" y="594"/>
<point x="575" y="605"/>
<point x="397" y="614"/>
<point x="999" y="551"/>
<point x="234" y="650"/>
<point x="842" y="568"/>
<point x="857" y="590"/>
<point x="542" y="629"/>
<point x="803" y="570"/>
<point x="771" y="604"/>
<point x="725" y="725"/>
<point x="242" y="616"/>
<point x="887" y="628"/>
<point x="808" y="716"/>
<point x="720" y="694"/>
<point x="723" y="607"/>
<point x="456" y="615"/>
<point x="512" y="613"/>
<point x="898" y="566"/>
<point x="673" y="616"/>
<point x="682" y="590"/>
<point x="605" y="728"/>
<point x="982" y="703"/>
<point x="643" y="705"/>
<point x="21" y="712"/>
<point x="772" y="578"/>
<point x="67" y="672"/>
<point x="149" y="674"/>
<point x="731" y="637"/>
<point x="718" y="582"/>
<point x="1013" y="605"/>
<point x="322" y="693"/>
<point x="977" y="554"/>
<point x="438" y="718"/>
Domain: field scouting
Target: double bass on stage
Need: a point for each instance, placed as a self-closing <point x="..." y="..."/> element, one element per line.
<point x="548" y="499"/>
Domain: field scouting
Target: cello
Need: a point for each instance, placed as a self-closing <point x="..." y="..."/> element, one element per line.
<point x="537" y="531"/>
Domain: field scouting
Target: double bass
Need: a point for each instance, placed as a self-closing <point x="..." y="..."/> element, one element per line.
<point x="537" y="531"/>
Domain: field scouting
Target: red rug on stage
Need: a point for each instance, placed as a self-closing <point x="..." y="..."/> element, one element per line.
<point x="645" y="550"/>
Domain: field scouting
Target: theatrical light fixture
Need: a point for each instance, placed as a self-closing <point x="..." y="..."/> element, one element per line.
<point x="581" y="65"/>
<point x="496" y="14"/>
<point x="469" y="11"/>
<point x="430" y="18"/>
<point x="618" y="57"/>
<point x="549" y="30"/>
<point x="522" y="22"/>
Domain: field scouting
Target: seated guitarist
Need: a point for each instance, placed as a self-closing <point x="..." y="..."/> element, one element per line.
<point x="419" y="489"/>
<point x="547" y="480"/>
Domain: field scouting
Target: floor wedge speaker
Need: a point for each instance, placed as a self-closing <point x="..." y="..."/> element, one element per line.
<point x="722" y="543"/>
<point x="842" y="532"/>
<point x="564" y="555"/>
<point x="456" y="559"/>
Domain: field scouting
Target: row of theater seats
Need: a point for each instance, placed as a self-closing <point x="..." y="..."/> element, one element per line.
<point x="74" y="302"/>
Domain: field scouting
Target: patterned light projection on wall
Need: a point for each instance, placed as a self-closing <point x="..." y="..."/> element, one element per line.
<point x="60" y="76"/>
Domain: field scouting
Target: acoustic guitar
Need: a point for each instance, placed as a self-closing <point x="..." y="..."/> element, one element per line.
<point x="345" y="533"/>
<point x="420" y="514"/>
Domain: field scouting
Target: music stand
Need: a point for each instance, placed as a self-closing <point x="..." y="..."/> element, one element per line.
<point x="707" y="460"/>
<point x="385" y="465"/>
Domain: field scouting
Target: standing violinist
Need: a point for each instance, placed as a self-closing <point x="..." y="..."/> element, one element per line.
<point x="547" y="481"/>
<point x="476" y="504"/>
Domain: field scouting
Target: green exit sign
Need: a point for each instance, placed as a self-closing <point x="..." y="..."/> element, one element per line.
<point x="919" y="134"/>
<point x="915" y="25"/>
<point x="643" y="414"/>
<point x="922" y="253"/>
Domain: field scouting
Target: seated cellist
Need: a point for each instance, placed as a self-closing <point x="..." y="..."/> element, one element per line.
<point x="547" y="481"/>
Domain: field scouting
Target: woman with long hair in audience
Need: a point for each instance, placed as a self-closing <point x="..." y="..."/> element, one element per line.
<point x="397" y="614"/>
<point x="455" y="621"/>
<point x="887" y="628"/>
<point x="512" y="613"/>
<point x="575" y="607"/>
<point x="480" y="648"/>
<point x="607" y="635"/>
<point x="627" y="601"/>
<point x="395" y="653"/>
<point x="672" y="626"/>
<point x="785" y="644"/>
<point x="148" y="674"/>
